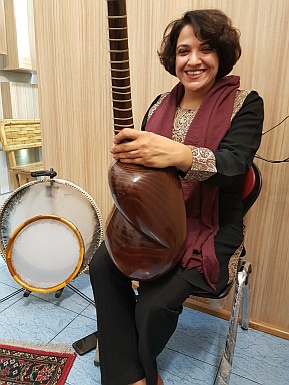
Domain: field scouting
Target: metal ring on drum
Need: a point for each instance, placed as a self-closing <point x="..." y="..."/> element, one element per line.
<point x="45" y="253"/>
<point x="54" y="198"/>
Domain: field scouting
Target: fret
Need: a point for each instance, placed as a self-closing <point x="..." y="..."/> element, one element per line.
<point x="123" y="126"/>
<point x="121" y="100"/>
<point x="117" y="28"/>
<point x="121" y="93"/>
<point x="119" y="61"/>
<point x="118" y="50"/>
<point x="120" y="118"/>
<point x="121" y="88"/>
<point x="122" y="109"/>
<point x="119" y="78"/>
<point x="117" y="17"/>
<point x="119" y="70"/>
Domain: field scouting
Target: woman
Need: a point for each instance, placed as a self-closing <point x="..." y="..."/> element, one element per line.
<point x="210" y="131"/>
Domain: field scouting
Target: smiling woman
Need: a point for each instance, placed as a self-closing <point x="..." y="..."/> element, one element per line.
<point x="208" y="130"/>
<point x="214" y="29"/>
<point x="197" y="66"/>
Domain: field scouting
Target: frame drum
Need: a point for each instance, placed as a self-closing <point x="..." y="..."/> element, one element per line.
<point x="49" y="231"/>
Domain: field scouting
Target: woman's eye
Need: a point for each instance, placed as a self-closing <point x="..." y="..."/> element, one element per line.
<point x="182" y="52"/>
<point x="207" y="49"/>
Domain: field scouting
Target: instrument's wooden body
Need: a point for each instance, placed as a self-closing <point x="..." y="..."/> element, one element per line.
<point x="147" y="229"/>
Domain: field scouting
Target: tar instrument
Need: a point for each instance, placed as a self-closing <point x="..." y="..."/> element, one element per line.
<point x="50" y="230"/>
<point x="147" y="228"/>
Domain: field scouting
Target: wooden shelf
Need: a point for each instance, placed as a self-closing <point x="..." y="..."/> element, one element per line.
<point x="20" y="36"/>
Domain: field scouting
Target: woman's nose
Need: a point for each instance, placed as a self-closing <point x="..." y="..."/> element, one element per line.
<point x="194" y="58"/>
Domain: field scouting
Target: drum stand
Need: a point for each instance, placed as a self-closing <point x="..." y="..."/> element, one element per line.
<point x="11" y="295"/>
<point x="57" y="294"/>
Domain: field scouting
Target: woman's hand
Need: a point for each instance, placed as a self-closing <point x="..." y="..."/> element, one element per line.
<point x="150" y="150"/>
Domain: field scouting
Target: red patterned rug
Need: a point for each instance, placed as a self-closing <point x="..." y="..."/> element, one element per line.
<point x="28" y="364"/>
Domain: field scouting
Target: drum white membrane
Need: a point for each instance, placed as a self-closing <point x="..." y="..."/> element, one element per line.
<point x="38" y="258"/>
<point x="59" y="251"/>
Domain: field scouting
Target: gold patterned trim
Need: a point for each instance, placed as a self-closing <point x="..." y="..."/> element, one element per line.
<point x="239" y="100"/>
<point x="155" y="106"/>
<point x="204" y="164"/>
<point x="233" y="263"/>
<point x="182" y="121"/>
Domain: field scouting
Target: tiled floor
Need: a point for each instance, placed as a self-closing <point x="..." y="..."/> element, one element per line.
<point x="191" y="356"/>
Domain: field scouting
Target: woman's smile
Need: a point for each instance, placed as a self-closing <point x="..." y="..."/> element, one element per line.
<point x="195" y="74"/>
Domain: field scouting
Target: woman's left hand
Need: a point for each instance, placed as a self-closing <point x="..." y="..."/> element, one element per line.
<point x="150" y="150"/>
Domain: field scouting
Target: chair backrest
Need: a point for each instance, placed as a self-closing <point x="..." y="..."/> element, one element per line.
<point x="252" y="187"/>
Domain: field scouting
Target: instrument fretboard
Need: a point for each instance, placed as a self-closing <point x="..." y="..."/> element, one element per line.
<point x="119" y="65"/>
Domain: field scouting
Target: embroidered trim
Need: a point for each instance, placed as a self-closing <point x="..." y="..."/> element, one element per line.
<point x="233" y="263"/>
<point x="239" y="100"/>
<point x="204" y="164"/>
<point x="182" y="122"/>
<point x="155" y="106"/>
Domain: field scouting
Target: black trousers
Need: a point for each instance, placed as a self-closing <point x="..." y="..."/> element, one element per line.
<point x="133" y="333"/>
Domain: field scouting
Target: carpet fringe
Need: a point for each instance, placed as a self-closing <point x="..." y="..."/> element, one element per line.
<point x="57" y="348"/>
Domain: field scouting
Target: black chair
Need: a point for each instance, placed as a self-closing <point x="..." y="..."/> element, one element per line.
<point x="241" y="300"/>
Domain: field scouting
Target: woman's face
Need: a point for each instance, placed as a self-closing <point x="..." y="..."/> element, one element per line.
<point x="197" y="63"/>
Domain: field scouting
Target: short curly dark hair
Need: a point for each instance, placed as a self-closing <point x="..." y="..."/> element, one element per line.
<point x="211" y="26"/>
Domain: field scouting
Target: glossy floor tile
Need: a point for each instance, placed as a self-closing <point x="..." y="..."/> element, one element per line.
<point x="190" y="358"/>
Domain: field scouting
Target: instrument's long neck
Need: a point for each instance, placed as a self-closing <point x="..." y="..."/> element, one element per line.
<point x="119" y="65"/>
<point x="141" y="247"/>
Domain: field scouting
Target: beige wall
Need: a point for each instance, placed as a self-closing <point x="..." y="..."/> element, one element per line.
<point x="75" y="110"/>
